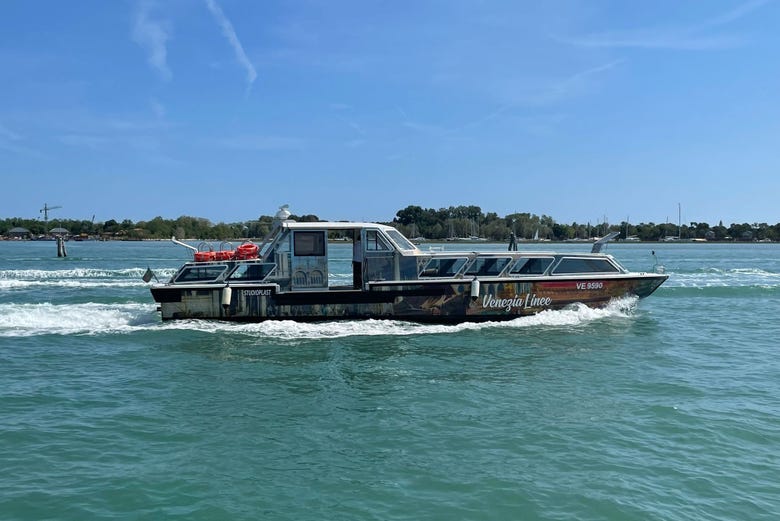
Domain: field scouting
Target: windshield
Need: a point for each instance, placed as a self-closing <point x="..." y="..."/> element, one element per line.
<point x="400" y="241"/>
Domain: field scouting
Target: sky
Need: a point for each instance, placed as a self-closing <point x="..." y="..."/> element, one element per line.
<point x="582" y="110"/>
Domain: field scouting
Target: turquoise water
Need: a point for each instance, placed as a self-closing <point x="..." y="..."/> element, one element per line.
<point x="667" y="408"/>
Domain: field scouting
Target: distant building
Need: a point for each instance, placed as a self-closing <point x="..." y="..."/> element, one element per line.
<point x="59" y="232"/>
<point x="18" y="233"/>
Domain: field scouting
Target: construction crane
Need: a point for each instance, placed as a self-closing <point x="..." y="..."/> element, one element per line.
<point x="45" y="211"/>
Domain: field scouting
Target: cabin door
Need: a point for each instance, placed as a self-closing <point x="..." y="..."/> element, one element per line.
<point x="378" y="257"/>
<point x="357" y="260"/>
<point x="309" y="264"/>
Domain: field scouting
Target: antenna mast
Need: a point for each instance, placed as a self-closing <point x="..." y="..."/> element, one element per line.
<point x="45" y="211"/>
<point x="679" y="220"/>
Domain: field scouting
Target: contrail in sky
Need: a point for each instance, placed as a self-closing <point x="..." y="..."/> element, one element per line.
<point x="152" y="35"/>
<point x="230" y="34"/>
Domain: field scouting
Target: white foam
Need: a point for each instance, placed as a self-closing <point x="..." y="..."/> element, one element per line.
<point x="77" y="278"/>
<point x="578" y="313"/>
<point x="95" y="319"/>
<point x="716" y="277"/>
<point x="70" y="283"/>
<point x="290" y="330"/>
<point x="74" y="319"/>
<point x="79" y="273"/>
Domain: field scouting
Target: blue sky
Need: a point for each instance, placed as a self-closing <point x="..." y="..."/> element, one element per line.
<point x="225" y="109"/>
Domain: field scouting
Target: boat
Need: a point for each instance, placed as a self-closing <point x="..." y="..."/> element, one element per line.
<point x="287" y="277"/>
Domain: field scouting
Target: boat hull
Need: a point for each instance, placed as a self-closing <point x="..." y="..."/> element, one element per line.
<point x="417" y="301"/>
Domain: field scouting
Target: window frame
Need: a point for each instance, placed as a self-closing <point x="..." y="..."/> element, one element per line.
<point x="317" y="247"/>
<point x="603" y="260"/>
<point x="459" y="260"/>
<point x="401" y="242"/>
<point x="525" y="259"/>
<point x="484" y="259"/>
<point x="204" y="268"/>
<point x="269" y="266"/>
<point x="379" y="239"/>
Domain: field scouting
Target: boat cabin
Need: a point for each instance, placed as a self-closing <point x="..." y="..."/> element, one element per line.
<point x="297" y="258"/>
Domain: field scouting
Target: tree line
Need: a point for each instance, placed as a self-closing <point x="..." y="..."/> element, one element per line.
<point x="414" y="222"/>
<point x="462" y="221"/>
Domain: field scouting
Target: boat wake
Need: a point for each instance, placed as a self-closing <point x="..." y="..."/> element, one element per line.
<point x="734" y="278"/>
<point x="69" y="283"/>
<point x="21" y="320"/>
<point x="24" y="320"/>
<point x="76" y="278"/>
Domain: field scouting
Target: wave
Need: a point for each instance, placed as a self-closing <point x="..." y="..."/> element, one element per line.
<point x="75" y="284"/>
<point x="22" y="320"/>
<point x="74" y="319"/>
<point x="79" y="273"/>
<point x="716" y="277"/>
<point x="718" y="291"/>
<point x="77" y="278"/>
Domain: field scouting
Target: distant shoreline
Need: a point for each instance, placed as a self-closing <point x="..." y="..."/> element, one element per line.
<point x="419" y="244"/>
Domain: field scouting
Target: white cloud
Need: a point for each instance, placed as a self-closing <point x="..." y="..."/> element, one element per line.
<point x="5" y="132"/>
<point x="158" y="108"/>
<point x="538" y="93"/>
<point x="735" y="14"/>
<point x="152" y="35"/>
<point x="84" y="140"/>
<point x="148" y="146"/>
<point x="259" y="142"/>
<point x="10" y="142"/>
<point x="96" y="142"/>
<point x="572" y="83"/>
<point x="656" y="39"/>
<point x="229" y="32"/>
<point x="688" y="37"/>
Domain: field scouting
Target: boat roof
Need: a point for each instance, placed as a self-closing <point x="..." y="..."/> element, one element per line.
<point x="333" y="225"/>
<point x="352" y="225"/>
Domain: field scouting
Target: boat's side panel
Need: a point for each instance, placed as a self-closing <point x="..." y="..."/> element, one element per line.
<point x="528" y="298"/>
<point x="428" y="301"/>
<point x="191" y="303"/>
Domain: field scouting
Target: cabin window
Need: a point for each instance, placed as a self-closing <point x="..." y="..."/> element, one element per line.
<point x="379" y="268"/>
<point x="309" y="244"/>
<point x="487" y="266"/>
<point x="443" y="267"/>
<point x="400" y="241"/>
<point x="584" y="265"/>
<point x="253" y="271"/>
<point x="201" y="273"/>
<point x="531" y="266"/>
<point x="374" y="242"/>
<point x="408" y="268"/>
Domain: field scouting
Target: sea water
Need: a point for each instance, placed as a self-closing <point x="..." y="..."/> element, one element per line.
<point x="666" y="408"/>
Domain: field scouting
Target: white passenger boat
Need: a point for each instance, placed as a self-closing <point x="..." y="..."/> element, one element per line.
<point x="286" y="277"/>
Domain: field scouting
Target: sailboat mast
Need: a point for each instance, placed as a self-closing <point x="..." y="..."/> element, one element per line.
<point x="679" y="220"/>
